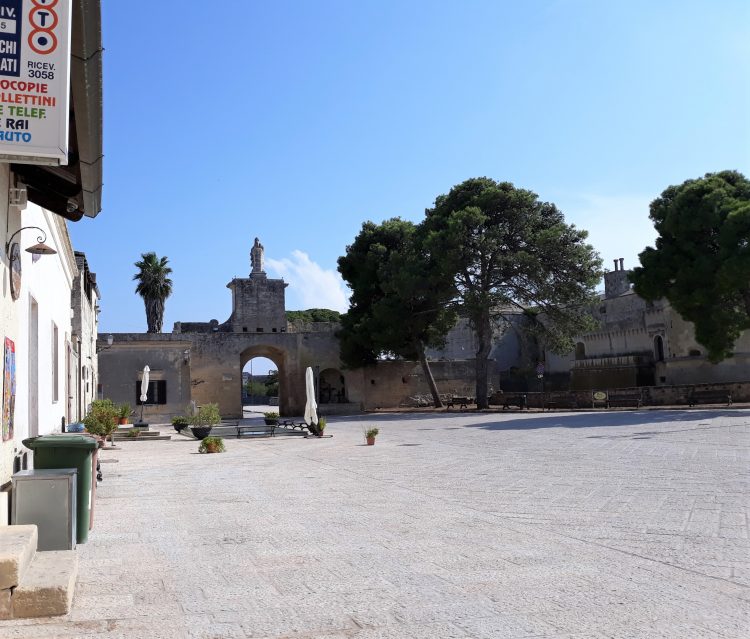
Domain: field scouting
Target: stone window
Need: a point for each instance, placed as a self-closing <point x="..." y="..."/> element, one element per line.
<point x="259" y="330"/>
<point x="157" y="392"/>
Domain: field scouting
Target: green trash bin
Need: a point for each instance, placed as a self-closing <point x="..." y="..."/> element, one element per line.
<point x="69" y="451"/>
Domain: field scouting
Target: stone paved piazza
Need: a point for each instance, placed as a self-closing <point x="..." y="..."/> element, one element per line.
<point x="461" y="525"/>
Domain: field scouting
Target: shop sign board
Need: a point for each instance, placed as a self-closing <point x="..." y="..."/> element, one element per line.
<point x="34" y="81"/>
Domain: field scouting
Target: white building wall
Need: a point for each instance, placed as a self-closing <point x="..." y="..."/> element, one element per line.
<point x="47" y="281"/>
<point x="9" y="317"/>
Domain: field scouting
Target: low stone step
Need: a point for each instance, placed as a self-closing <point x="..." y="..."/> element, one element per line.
<point x="47" y="586"/>
<point x="17" y="548"/>
<point x="141" y="438"/>
<point x="143" y="432"/>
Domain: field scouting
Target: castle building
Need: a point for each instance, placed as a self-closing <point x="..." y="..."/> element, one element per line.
<point x="638" y="343"/>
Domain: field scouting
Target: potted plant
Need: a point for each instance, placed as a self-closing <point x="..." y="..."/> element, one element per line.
<point x="211" y="445"/>
<point x="180" y="423"/>
<point x="321" y="426"/>
<point x="133" y="433"/>
<point x="102" y="418"/>
<point x="370" y="435"/>
<point x="123" y="412"/>
<point x="204" y="420"/>
<point x="271" y="418"/>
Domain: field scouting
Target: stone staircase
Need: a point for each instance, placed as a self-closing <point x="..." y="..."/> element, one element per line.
<point x="123" y="434"/>
<point x="34" y="584"/>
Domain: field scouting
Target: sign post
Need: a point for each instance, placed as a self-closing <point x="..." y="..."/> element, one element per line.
<point x="34" y="81"/>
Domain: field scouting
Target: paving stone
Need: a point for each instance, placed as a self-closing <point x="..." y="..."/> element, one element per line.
<point x="561" y="527"/>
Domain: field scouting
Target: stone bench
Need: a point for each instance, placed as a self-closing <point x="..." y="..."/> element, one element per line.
<point x="709" y="397"/>
<point x="515" y="400"/>
<point x="463" y="402"/>
<point x="560" y="401"/>
<point x="624" y="398"/>
<point x="256" y="430"/>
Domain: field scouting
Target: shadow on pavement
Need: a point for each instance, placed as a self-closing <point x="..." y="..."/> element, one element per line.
<point x="620" y="418"/>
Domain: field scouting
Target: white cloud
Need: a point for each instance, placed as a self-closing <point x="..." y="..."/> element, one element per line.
<point x="618" y="225"/>
<point x="310" y="286"/>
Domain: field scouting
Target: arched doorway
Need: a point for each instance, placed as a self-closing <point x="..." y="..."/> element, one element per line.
<point x="332" y="387"/>
<point x="659" y="348"/>
<point x="260" y="382"/>
<point x="580" y="350"/>
<point x="263" y="375"/>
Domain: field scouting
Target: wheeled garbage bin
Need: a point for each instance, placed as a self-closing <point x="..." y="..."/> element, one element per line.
<point x="70" y="451"/>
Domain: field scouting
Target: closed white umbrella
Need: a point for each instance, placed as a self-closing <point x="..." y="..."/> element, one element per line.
<point x="144" y="387"/>
<point x="311" y="407"/>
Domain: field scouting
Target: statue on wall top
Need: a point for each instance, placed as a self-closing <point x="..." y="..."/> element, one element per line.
<point x="256" y="257"/>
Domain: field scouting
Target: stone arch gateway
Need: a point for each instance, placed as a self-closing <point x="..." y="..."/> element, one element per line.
<point x="203" y="361"/>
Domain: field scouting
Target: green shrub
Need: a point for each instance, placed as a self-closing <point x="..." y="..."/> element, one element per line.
<point x="124" y="411"/>
<point x="322" y="424"/>
<point x="211" y="445"/>
<point x="373" y="432"/>
<point x="207" y="415"/>
<point x="271" y="415"/>
<point x="180" y="420"/>
<point x="102" y="417"/>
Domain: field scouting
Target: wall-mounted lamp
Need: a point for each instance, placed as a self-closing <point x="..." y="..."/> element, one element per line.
<point x="40" y="248"/>
<point x="110" y="340"/>
<point x="186" y="356"/>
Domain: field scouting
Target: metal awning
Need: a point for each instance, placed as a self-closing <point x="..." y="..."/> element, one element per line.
<point x="75" y="190"/>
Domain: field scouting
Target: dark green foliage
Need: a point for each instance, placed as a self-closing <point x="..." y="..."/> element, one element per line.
<point x="211" y="445"/>
<point x="313" y="315"/>
<point x="272" y="384"/>
<point x="396" y="303"/>
<point x="701" y="262"/>
<point x="256" y="388"/>
<point x="207" y="415"/>
<point x="154" y="286"/>
<point x="399" y="303"/>
<point x="506" y="252"/>
<point x="102" y="417"/>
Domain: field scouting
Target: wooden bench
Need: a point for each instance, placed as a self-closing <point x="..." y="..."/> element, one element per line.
<point x="617" y="398"/>
<point x="463" y="402"/>
<point x="560" y="401"/>
<point x="515" y="400"/>
<point x="256" y="430"/>
<point x="709" y="397"/>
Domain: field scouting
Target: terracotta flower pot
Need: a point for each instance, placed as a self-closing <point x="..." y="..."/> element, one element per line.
<point x="370" y="441"/>
<point x="122" y="420"/>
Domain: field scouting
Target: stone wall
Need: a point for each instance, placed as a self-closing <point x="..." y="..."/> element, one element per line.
<point x="121" y="367"/>
<point x="258" y="305"/>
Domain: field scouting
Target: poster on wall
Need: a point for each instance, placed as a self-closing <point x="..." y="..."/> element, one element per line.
<point x="34" y="80"/>
<point x="9" y="388"/>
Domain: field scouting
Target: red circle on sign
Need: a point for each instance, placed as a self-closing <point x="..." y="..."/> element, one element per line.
<point x="47" y="34"/>
<point x="46" y="27"/>
<point x="41" y="3"/>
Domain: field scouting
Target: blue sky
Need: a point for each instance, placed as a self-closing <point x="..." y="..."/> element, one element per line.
<point x="295" y="121"/>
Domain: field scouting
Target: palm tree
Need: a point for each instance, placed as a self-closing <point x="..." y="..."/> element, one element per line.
<point x="154" y="287"/>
